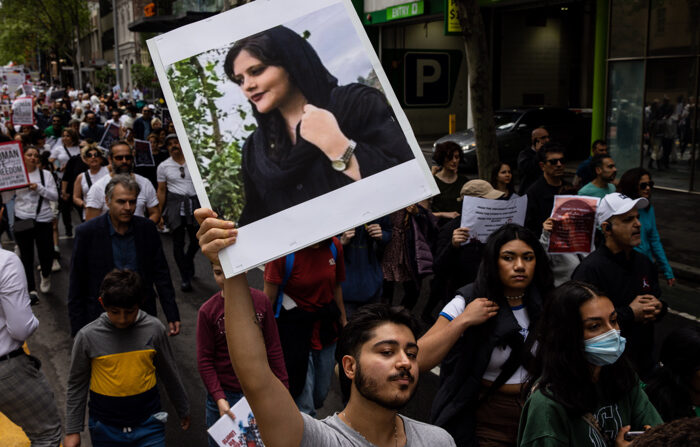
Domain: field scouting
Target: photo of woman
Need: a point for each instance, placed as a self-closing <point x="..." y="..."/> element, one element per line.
<point x="313" y="136"/>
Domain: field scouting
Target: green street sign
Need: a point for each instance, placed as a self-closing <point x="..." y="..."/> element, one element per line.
<point x="406" y="10"/>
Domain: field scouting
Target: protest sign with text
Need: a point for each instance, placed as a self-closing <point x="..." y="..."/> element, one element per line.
<point x="23" y="111"/>
<point x="302" y="185"/>
<point x="573" y="224"/>
<point x="13" y="172"/>
<point x="241" y="431"/>
<point x="142" y="153"/>
<point x="28" y="89"/>
<point x="14" y="83"/>
<point x="484" y="216"/>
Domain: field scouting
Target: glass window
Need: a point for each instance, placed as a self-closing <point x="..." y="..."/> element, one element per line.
<point x="625" y="104"/>
<point x="628" y="24"/>
<point x="673" y="27"/>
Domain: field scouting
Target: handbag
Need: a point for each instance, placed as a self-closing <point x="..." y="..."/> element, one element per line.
<point x="22" y="225"/>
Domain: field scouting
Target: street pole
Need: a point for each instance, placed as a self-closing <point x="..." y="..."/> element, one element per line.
<point x="116" y="42"/>
<point x="78" y="58"/>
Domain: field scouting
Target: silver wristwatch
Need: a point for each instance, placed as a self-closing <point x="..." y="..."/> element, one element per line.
<point x="342" y="163"/>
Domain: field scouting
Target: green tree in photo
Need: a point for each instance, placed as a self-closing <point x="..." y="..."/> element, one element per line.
<point x="218" y="153"/>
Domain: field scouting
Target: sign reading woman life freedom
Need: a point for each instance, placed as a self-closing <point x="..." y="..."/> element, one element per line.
<point x="288" y="124"/>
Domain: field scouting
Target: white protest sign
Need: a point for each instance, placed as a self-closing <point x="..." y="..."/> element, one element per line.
<point x="23" y="111"/>
<point x="13" y="173"/>
<point x="14" y="83"/>
<point x="291" y="202"/>
<point x="239" y="432"/>
<point x="484" y="216"/>
<point x="28" y="89"/>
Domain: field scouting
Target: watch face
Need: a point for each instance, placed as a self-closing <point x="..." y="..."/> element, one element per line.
<point x="338" y="165"/>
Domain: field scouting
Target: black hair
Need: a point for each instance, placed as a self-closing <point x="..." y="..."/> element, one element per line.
<point x="548" y="148"/>
<point x="563" y="370"/>
<point x="629" y="182"/>
<point x="669" y="387"/>
<point x="597" y="161"/>
<point x="597" y="142"/>
<point x="282" y="47"/>
<point x="445" y="151"/>
<point x="360" y="329"/>
<point x="488" y="281"/>
<point x="122" y="288"/>
<point x="494" y="176"/>
<point x="679" y="433"/>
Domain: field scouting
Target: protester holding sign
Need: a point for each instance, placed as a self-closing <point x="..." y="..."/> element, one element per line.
<point x="482" y="339"/>
<point x="313" y="136"/>
<point x="23" y="111"/>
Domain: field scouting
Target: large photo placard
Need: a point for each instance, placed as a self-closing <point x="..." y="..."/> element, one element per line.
<point x="13" y="172"/>
<point x="288" y="124"/>
<point x="573" y="226"/>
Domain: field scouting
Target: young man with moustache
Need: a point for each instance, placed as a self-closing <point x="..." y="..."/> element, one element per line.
<point x="627" y="277"/>
<point x="377" y="355"/>
<point x="602" y="184"/>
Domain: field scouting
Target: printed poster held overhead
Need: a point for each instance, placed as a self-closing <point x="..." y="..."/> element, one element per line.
<point x="319" y="137"/>
<point x="484" y="216"/>
<point x="573" y="227"/>
<point x="13" y="172"/>
<point x="23" y="111"/>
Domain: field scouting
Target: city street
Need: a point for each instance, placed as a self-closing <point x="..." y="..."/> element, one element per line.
<point x="52" y="343"/>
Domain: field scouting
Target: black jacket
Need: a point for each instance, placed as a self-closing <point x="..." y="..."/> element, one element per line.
<point x="540" y="200"/>
<point x="622" y="280"/>
<point x="457" y="399"/>
<point x="528" y="169"/>
<point x="458" y="265"/>
<point x="92" y="260"/>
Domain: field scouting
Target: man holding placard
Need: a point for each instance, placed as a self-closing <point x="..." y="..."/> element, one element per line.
<point x="540" y="196"/>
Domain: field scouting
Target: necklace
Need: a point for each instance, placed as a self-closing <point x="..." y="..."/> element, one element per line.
<point x="396" y="434"/>
<point x="515" y="298"/>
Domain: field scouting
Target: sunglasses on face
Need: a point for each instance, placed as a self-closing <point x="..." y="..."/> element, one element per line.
<point x="182" y="172"/>
<point x="123" y="157"/>
<point x="556" y="161"/>
<point x="645" y="185"/>
<point x="94" y="155"/>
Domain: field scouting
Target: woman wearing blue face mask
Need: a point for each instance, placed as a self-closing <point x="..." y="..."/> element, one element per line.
<point x="586" y="394"/>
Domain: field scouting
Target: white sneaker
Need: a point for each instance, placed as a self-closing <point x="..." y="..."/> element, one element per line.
<point x="56" y="266"/>
<point x="45" y="285"/>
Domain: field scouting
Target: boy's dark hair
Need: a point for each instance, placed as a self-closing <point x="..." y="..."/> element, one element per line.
<point x="597" y="161"/>
<point x="678" y="433"/>
<point x="360" y="329"/>
<point x="121" y="288"/>
<point x="548" y="148"/>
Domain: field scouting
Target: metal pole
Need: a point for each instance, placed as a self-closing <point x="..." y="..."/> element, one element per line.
<point x="78" y="58"/>
<point x="116" y="42"/>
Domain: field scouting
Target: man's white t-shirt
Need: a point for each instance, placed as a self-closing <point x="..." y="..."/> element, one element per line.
<point x="147" y="197"/>
<point x="170" y="172"/>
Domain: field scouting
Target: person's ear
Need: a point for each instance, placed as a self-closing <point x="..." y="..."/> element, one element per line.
<point x="606" y="227"/>
<point x="349" y="366"/>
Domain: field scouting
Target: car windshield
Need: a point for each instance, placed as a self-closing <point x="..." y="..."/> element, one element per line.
<point x="505" y="120"/>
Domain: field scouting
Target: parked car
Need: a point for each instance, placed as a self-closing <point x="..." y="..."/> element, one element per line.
<point x="513" y="129"/>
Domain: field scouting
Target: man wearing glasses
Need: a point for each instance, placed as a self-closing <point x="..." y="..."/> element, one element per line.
<point x="540" y="196"/>
<point x="178" y="200"/>
<point x="528" y="166"/>
<point x="121" y="160"/>
<point x="55" y="130"/>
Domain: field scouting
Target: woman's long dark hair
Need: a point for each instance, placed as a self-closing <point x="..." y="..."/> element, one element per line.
<point x="494" y="177"/>
<point x="629" y="182"/>
<point x="669" y="387"/>
<point x="282" y="47"/>
<point x="564" y="373"/>
<point x="488" y="281"/>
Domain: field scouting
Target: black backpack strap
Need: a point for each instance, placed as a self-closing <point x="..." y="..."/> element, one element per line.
<point x="41" y="198"/>
<point x="88" y="179"/>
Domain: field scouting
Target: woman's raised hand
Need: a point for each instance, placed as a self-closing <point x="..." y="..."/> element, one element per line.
<point x="214" y="234"/>
<point x="320" y="128"/>
<point x="478" y="311"/>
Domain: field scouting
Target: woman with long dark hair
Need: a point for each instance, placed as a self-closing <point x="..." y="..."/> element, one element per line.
<point x="674" y="386"/>
<point x="637" y="183"/>
<point x="502" y="179"/>
<point x="313" y="136"/>
<point x="482" y="338"/>
<point x="446" y="206"/>
<point x="586" y="395"/>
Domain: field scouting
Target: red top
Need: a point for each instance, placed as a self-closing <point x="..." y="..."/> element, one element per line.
<point x="313" y="279"/>
<point x="213" y="360"/>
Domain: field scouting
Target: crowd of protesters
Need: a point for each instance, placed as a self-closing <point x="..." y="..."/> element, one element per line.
<point x="534" y="348"/>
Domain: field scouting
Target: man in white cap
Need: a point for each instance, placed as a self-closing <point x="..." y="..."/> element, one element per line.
<point x="629" y="279"/>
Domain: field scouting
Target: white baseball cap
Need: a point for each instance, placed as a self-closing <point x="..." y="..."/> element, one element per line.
<point x="616" y="204"/>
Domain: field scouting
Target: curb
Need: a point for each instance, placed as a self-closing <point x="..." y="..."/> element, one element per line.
<point x="685" y="271"/>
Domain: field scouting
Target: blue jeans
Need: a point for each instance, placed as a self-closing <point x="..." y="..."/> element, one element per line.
<point x="150" y="433"/>
<point x="318" y="380"/>
<point x="212" y="411"/>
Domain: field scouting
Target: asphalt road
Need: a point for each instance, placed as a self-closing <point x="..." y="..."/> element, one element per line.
<point x="52" y="342"/>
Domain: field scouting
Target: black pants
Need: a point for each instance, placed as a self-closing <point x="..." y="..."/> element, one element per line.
<point x="411" y="292"/>
<point x="185" y="259"/>
<point x="42" y="235"/>
<point x="65" y="207"/>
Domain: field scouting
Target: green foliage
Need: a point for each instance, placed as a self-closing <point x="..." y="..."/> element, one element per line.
<point x="195" y="87"/>
<point x="144" y="76"/>
<point x="105" y="78"/>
